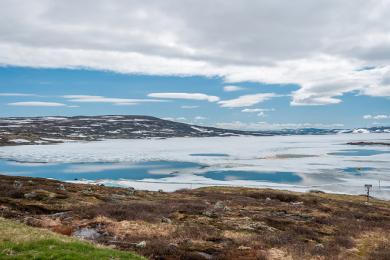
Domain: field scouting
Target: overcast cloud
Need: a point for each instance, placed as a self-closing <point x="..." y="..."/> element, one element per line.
<point x="327" y="47"/>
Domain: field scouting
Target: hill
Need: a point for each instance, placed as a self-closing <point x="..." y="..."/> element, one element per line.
<point x="47" y="130"/>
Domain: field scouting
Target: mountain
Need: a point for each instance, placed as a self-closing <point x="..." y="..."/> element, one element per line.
<point x="45" y="130"/>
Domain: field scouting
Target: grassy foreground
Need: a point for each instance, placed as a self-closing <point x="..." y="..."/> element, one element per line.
<point x="19" y="241"/>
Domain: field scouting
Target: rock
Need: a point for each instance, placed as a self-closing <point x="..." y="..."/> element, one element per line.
<point x="117" y="197"/>
<point x="244" y="248"/>
<point x="319" y="248"/>
<point x="87" y="192"/>
<point x="32" y="221"/>
<point x="87" y="233"/>
<point x="296" y="203"/>
<point x="141" y="244"/>
<point x="203" y="255"/>
<point x="353" y="251"/>
<point x="40" y="194"/>
<point x="59" y="214"/>
<point x="68" y="220"/>
<point x="130" y="191"/>
<point x="18" y="184"/>
<point x="172" y="246"/>
<point x="210" y="214"/>
<point x="166" y="220"/>
<point x="263" y="226"/>
<point x="219" y="205"/>
<point x="61" y="187"/>
<point x="31" y="195"/>
<point x="281" y="213"/>
<point x="268" y="199"/>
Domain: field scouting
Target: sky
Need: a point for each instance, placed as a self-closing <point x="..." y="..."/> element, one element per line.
<point x="233" y="64"/>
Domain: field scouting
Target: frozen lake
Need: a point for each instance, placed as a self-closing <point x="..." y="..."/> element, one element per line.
<point x="296" y="163"/>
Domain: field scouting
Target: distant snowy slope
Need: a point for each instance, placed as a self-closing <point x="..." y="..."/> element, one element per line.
<point x="45" y="130"/>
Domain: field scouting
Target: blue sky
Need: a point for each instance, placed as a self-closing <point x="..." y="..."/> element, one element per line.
<point x="235" y="64"/>
<point x="19" y="85"/>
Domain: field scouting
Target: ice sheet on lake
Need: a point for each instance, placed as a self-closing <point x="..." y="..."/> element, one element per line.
<point x="313" y="158"/>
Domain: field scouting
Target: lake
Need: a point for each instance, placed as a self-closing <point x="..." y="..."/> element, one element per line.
<point x="297" y="163"/>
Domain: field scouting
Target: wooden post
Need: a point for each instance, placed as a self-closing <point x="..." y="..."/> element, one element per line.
<point x="368" y="188"/>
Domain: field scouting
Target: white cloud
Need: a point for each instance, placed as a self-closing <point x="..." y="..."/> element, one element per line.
<point x="37" y="104"/>
<point x="260" y="111"/>
<point x="267" y="126"/>
<point x="256" y="110"/>
<point x="231" y="88"/>
<point x="101" y="99"/>
<point x="125" y="104"/>
<point x="189" y="107"/>
<point x="376" y="117"/>
<point x="324" y="46"/>
<point x="16" y="95"/>
<point x="247" y="100"/>
<point x="189" y="96"/>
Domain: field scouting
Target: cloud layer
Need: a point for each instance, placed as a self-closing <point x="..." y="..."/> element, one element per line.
<point x="247" y="100"/>
<point x="232" y="88"/>
<point x="101" y="99"/>
<point x="37" y="104"/>
<point x="188" y="96"/>
<point x="327" y="47"/>
<point x="376" y="117"/>
<point x="267" y="126"/>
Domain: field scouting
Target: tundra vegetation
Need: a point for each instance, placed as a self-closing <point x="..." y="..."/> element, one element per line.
<point x="206" y="223"/>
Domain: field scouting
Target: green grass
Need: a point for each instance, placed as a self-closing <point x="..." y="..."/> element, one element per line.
<point x="18" y="241"/>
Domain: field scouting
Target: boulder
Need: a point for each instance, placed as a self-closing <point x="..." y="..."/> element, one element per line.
<point x="166" y="220"/>
<point x="141" y="244"/>
<point x="18" y="184"/>
<point x="87" y="233"/>
<point x="219" y="205"/>
<point x="61" y="187"/>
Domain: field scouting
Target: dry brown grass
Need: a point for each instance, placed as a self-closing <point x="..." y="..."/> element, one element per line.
<point x="225" y="223"/>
